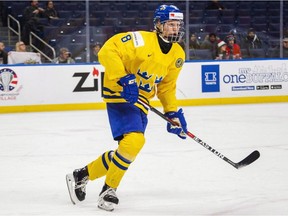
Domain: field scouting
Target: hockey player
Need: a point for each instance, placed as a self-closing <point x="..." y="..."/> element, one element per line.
<point x="138" y="65"/>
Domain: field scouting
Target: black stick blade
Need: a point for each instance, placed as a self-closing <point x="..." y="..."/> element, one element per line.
<point x="248" y="160"/>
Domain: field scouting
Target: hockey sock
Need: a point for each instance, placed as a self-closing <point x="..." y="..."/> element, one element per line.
<point x="117" y="169"/>
<point x="128" y="149"/>
<point x="99" y="167"/>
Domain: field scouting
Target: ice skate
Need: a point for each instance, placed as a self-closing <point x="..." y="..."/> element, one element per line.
<point x="108" y="199"/>
<point x="76" y="184"/>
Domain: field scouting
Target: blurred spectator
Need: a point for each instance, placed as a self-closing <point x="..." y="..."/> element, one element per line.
<point x="194" y="42"/>
<point x="233" y="50"/>
<point x="22" y="55"/>
<point x="3" y="54"/>
<point x="95" y="49"/>
<point x="276" y="51"/>
<point x="215" y="5"/>
<point x="64" y="57"/>
<point x="238" y="36"/>
<point x="20" y="46"/>
<point x="252" y="45"/>
<point x="285" y="31"/>
<point x="31" y="15"/>
<point x="285" y="47"/>
<point x="210" y="42"/>
<point x="50" y="11"/>
<point x="221" y="52"/>
<point x="251" y="41"/>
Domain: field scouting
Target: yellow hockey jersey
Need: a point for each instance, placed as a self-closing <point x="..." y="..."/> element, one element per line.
<point x="139" y="53"/>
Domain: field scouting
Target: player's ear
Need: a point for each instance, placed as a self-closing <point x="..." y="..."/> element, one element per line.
<point x="159" y="26"/>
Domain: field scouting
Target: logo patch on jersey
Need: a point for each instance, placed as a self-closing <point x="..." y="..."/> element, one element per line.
<point x="144" y="75"/>
<point x="179" y="62"/>
<point x="137" y="39"/>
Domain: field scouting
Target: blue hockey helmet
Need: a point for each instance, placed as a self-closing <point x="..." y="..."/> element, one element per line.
<point x="165" y="13"/>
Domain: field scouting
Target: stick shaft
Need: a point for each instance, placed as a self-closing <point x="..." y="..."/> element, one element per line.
<point x="249" y="159"/>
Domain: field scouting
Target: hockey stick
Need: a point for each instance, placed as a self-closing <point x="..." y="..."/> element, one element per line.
<point x="246" y="161"/>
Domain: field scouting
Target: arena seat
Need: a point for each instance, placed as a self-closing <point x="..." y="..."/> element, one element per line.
<point x="200" y="54"/>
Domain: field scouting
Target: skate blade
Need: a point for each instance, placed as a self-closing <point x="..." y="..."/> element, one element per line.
<point x="107" y="206"/>
<point x="70" y="185"/>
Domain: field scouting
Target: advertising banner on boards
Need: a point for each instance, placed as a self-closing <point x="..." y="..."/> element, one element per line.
<point x="222" y="79"/>
<point x="22" y="85"/>
<point x="50" y="84"/>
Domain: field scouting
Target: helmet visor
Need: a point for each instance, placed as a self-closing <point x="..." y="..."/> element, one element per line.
<point x="173" y="30"/>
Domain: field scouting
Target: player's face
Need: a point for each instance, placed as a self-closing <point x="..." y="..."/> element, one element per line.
<point x="171" y="27"/>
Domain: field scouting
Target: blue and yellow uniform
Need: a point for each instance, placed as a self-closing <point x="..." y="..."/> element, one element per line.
<point x="138" y="66"/>
<point x="137" y="53"/>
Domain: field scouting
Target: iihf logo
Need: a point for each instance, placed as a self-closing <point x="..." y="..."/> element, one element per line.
<point x="8" y="80"/>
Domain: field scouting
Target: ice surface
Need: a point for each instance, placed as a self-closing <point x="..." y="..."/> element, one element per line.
<point x="169" y="177"/>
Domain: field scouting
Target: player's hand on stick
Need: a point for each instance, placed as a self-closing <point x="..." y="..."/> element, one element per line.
<point x="180" y="126"/>
<point x="130" y="89"/>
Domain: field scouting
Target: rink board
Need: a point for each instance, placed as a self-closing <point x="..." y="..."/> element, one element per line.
<point x="29" y="88"/>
